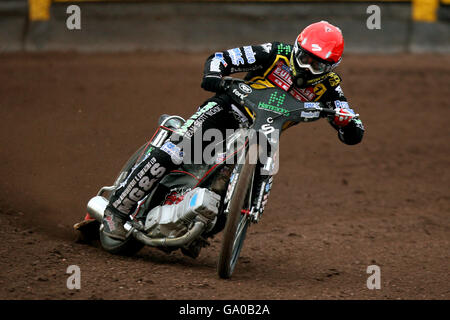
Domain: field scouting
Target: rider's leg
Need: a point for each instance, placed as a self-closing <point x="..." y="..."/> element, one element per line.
<point x="138" y="184"/>
<point x="214" y="113"/>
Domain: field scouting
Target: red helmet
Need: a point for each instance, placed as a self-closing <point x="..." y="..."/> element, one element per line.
<point x="317" y="50"/>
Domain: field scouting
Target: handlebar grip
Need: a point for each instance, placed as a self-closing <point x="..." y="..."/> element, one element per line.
<point x="325" y="112"/>
<point x="226" y="81"/>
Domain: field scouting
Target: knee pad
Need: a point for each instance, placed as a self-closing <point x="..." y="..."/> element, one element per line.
<point x="174" y="151"/>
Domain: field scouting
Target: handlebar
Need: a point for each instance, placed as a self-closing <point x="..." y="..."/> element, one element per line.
<point x="325" y="112"/>
<point x="227" y="81"/>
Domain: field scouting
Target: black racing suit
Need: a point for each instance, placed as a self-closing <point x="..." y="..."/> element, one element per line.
<point x="267" y="63"/>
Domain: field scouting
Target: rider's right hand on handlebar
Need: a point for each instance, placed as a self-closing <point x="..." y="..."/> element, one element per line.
<point x="342" y="117"/>
<point x="212" y="82"/>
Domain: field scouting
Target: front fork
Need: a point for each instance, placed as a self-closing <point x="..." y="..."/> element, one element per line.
<point x="263" y="190"/>
<point x="259" y="193"/>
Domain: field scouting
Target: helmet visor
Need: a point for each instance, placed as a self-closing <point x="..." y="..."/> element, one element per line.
<point x="308" y="61"/>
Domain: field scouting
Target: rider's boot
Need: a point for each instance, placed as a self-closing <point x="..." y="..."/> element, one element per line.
<point x="113" y="223"/>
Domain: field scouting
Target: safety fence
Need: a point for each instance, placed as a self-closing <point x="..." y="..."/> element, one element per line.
<point x="422" y="10"/>
<point x="112" y="25"/>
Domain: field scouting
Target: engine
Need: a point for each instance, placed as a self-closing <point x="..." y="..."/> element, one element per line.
<point x="173" y="220"/>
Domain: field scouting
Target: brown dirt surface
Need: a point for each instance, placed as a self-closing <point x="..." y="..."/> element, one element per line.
<point x="69" y="122"/>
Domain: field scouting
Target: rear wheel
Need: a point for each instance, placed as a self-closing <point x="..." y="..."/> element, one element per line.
<point x="129" y="246"/>
<point x="237" y="222"/>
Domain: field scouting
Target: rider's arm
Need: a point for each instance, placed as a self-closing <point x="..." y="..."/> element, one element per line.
<point x="353" y="132"/>
<point x="241" y="59"/>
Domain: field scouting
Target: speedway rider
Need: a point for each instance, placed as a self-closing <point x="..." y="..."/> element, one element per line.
<point x="305" y="70"/>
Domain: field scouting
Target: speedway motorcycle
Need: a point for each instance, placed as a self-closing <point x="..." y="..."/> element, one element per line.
<point x="197" y="201"/>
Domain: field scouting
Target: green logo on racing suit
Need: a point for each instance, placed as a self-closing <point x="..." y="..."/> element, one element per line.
<point x="279" y="100"/>
<point x="284" y="49"/>
<point x="195" y="116"/>
<point x="275" y="99"/>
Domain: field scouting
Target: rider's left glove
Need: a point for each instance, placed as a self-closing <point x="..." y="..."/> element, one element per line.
<point x="212" y="82"/>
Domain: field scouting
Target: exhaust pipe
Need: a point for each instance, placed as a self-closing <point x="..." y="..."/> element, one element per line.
<point x="96" y="207"/>
<point x="193" y="233"/>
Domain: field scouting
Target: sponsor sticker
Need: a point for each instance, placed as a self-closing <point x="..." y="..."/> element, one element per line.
<point x="334" y="79"/>
<point x="302" y="94"/>
<point x="312" y="105"/>
<point x="195" y="116"/>
<point x="216" y="61"/>
<point x="231" y="185"/>
<point x="246" y="69"/>
<point x="173" y="151"/>
<point x="339" y="91"/>
<point x="284" y="49"/>
<point x="281" y="76"/>
<point x="267" y="47"/>
<point x="245" y="88"/>
<point x="315" y="81"/>
<point x="272" y="108"/>
<point x="309" y="114"/>
<point x="359" y="124"/>
<point x="341" y="104"/>
<point x="236" y="56"/>
<point x="276" y="99"/>
<point x="249" y="54"/>
<point x="239" y="94"/>
<point x="139" y="186"/>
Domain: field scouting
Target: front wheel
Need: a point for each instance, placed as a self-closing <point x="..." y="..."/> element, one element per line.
<point x="237" y="221"/>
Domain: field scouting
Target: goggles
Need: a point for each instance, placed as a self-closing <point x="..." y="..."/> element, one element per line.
<point x="306" y="60"/>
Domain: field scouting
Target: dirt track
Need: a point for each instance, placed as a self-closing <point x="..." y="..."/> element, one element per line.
<point x="70" y="121"/>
